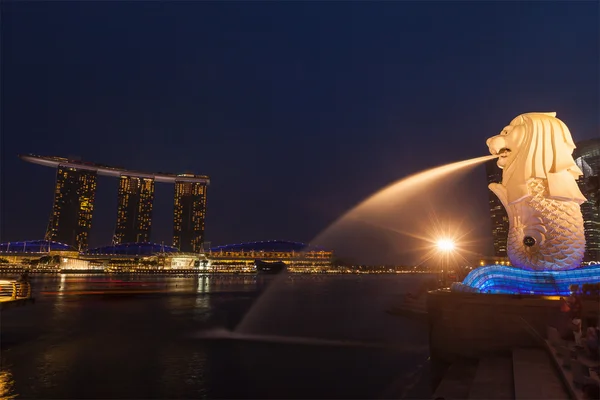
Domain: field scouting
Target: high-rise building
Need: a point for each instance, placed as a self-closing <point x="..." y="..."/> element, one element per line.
<point x="587" y="158"/>
<point x="71" y="218"/>
<point x="134" y="213"/>
<point x="498" y="213"/>
<point x="189" y="213"/>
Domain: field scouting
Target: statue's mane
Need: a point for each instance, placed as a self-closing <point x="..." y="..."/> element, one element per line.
<point x="545" y="152"/>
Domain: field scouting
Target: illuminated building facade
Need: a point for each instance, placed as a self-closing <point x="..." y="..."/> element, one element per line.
<point x="140" y="257"/>
<point x="298" y="257"/>
<point x="483" y="261"/>
<point x="189" y="214"/>
<point x="40" y="254"/>
<point x="587" y="158"/>
<point x="71" y="218"/>
<point x="499" y="217"/>
<point x="134" y="213"/>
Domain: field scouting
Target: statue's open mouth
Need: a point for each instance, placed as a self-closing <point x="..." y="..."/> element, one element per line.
<point x="503" y="152"/>
<point x="503" y="157"/>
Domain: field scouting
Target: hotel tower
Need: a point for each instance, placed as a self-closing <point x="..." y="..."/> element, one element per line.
<point x="134" y="212"/>
<point x="189" y="214"/>
<point x="71" y="219"/>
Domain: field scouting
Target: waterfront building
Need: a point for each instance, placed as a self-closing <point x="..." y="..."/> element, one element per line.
<point x="41" y="255"/>
<point x="298" y="257"/>
<point x="71" y="218"/>
<point x="189" y="213"/>
<point x="587" y="158"/>
<point x="76" y="264"/>
<point x="46" y="256"/>
<point x="498" y="215"/>
<point x="134" y="213"/>
<point x="36" y="254"/>
<point x="483" y="261"/>
<point x="140" y="257"/>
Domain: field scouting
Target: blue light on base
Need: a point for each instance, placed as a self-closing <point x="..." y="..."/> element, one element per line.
<point x="500" y="279"/>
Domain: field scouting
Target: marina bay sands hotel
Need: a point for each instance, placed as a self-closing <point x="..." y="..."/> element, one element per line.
<point x="71" y="218"/>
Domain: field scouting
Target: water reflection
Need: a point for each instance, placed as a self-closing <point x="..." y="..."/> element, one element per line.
<point x="203" y="284"/>
<point x="184" y="372"/>
<point x="78" y="285"/>
<point x="128" y="343"/>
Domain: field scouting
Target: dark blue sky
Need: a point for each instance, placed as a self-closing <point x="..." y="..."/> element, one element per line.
<point x="296" y="110"/>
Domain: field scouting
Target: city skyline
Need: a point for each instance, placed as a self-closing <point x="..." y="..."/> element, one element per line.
<point x="74" y="197"/>
<point x="321" y="104"/>
<point x="348" y="245"/>
<point x="135" y="196"/>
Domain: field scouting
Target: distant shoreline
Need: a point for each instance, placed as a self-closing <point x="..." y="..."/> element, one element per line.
<point x="198" y="272"/>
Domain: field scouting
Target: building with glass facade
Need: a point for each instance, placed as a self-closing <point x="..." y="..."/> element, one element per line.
<point x="140" y="257"/>
<point x="189" y="213"/>
<point x="71" y="218"/>
<point x="299" y="257"/>
<point x="36" y="256"/>
<point x="134" y="213"/>
<point x="46" y="256"/>
<point x="587" y="158"/>
<point x="498" y="215"/>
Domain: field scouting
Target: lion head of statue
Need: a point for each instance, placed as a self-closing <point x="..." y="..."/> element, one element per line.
<point x="537" y="145"/>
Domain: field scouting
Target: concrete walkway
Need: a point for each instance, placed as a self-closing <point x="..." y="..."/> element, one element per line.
<point x="456" y="382"/>
<point x="535" y="376"/>
<point x="493" y="379"/>
<point x="526" y="374"/>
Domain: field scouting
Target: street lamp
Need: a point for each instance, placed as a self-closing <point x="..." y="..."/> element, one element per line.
<point x="445" y="245"/>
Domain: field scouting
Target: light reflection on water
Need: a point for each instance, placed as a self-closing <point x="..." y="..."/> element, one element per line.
<point x="126" y="343"/>
<point x="6" y="385"/>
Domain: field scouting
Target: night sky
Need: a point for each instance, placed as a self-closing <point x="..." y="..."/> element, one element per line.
<point x="296" y="110"/>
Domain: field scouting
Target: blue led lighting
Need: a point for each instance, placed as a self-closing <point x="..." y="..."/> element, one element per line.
<point x="34" y="246"/>
<point x="500" y="279"/>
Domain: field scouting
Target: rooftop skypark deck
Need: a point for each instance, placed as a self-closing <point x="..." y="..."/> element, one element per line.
<point x="55" y="162"/>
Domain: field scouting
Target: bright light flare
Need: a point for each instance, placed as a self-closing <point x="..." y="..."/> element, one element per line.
<point x="446" y="245"/>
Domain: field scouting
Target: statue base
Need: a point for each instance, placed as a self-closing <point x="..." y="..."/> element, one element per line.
<point x="472" y="326"/>
<point x="501" y="279"/>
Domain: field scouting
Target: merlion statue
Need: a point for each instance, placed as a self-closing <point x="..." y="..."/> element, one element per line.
<point x="540" y="193"/>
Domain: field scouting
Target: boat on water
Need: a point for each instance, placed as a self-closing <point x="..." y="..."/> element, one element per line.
<point x="265" y="267"/>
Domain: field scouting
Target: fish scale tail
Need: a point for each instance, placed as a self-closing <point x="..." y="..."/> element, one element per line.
<point x="560" y="222"/>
